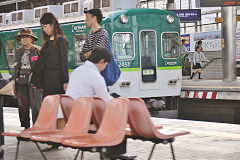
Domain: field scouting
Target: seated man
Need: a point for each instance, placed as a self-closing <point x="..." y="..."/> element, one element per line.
<point x="86" y="80"/>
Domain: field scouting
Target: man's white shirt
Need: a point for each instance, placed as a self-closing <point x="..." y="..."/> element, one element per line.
<point x="86" y="81"/>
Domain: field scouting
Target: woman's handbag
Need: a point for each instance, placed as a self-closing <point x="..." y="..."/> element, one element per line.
<point x="24" y="77"/>
<point x="112" y="72"/>
<point x="7" y="89"/>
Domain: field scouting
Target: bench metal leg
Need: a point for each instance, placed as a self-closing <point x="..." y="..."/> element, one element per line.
<point x="17" y="149"/>
<point x="40" y="151"/>
<point x="173" y="156"/>
<point x="150" y="156"/>
<point x="82" y="155"/>
<point x="77" y="154"/>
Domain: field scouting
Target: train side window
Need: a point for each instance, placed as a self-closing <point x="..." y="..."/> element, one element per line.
<point x="79" y="42"/>
<point x="66" y="8"/>
<point x="10" y="51"/>
<point x="37" y="13"/>
<point x="170" y="45"/>
<point x="105" y="3"/>
<point x="20" y="16"/>
<point x="74" y="7"/>
<point x="14" y="17"/>
<point x="148" y="56"/>
<point x="123" y="46"/>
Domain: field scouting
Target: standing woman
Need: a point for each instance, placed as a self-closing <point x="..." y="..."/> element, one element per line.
<point x="23" y="66"/>
<point x="55" y="59"/>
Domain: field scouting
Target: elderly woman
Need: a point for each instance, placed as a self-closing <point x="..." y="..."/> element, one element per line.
<point x="25" y="61"/>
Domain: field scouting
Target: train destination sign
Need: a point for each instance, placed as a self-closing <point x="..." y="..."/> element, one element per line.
<point x="217" y="3"/>
<point x="188" y="15"/>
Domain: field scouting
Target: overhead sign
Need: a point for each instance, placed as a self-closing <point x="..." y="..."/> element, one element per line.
<point x="188" y="15"/>
<point x="217" y="3"/>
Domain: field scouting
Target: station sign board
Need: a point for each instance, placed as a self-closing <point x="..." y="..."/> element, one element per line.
<point x="188" y="15"/>
<point x="217" y="3"/>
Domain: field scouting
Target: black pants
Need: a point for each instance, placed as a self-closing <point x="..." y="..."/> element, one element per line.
<point x="1" y="120"/>
<point x="23" y="105"/>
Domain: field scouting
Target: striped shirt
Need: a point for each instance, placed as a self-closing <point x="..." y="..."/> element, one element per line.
<point x="93" y="40"/>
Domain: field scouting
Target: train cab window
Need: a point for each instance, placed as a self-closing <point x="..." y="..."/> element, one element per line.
<point x="79" y="42"/>
<point x="10" y="51"/>
<point x="170" y="45"/>
<point x="123" y="46"/>
<point x="148" y="56"/>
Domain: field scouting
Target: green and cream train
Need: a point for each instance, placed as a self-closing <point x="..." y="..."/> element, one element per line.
<point x="145" y="44"/>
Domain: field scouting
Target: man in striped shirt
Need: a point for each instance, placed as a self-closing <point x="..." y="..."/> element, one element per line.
<point x="98" y="36"/>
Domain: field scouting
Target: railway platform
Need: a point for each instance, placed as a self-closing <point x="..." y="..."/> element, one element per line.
<point x="210" y="100"/>
<point x="207" y="141"/>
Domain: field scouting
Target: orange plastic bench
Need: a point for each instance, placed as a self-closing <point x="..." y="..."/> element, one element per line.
<point x="110" y="133"/>
<point x="142" y="128"/>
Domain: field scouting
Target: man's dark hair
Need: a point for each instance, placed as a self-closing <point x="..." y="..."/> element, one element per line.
<point x="95" y="12"/>
<point x="100" y="53"/>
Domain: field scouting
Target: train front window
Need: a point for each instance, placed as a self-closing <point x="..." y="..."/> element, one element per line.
<point x="148" y="56"/>
<point x="123" y="46"/>
<point x="170" y="45"/>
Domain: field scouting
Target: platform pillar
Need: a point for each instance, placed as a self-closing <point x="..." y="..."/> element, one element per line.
<point x="229" y="43"/>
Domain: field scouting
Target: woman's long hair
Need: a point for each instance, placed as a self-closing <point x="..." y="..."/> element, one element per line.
<point x="49" y="18"/>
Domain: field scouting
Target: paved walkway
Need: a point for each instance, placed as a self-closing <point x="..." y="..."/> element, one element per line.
<point x="207" y="141"/>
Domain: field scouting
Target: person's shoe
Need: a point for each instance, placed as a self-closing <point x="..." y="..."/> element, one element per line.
<point x="53" y="147"/>
<point x="126" y="157"/>
<point x="2" y="153"/>
<point x="199" y="78"/>
<point x="190" y="78"/>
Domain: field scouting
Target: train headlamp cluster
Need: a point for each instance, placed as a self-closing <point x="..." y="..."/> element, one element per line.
<point x="170" y="19"/>
<point x="124" y="19"/>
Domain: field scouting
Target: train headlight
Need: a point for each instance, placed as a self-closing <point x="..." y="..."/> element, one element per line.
<point x="124" y="19"/>
<point x="170" y="19"/>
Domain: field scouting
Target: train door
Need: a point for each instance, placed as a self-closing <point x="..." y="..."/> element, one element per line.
<point x="148" y="60"/>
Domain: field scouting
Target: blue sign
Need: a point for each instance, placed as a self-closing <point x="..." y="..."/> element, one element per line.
<point x="188" y="15"/>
